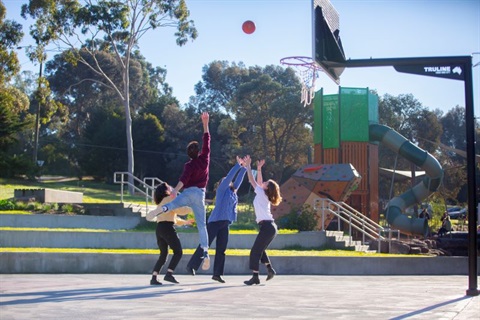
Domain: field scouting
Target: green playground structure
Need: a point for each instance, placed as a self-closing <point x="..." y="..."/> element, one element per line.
<point x="347" y="131"/>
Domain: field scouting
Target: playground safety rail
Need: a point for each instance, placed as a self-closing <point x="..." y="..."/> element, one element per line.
<point x="355" y="220"/>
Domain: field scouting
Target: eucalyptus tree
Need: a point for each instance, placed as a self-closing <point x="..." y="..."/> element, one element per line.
<point x="454" y="134"/>
<point x="406" y="115"/>
<point x="10" y="35"/>
<point x="266" y="118"/>
<point x="92" y="27"/>
<point x="13" y="103"/>
<point x="453" y="143"/>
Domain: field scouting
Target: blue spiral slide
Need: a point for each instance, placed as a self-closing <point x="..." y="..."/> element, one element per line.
<point x="421" y="158"/>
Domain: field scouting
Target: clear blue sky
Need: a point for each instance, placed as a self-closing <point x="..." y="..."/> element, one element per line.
<point x="374" y="28"/>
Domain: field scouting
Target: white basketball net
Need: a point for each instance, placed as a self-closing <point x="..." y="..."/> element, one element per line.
<point x="307" y="77"/>
<point x="306" y="70"/>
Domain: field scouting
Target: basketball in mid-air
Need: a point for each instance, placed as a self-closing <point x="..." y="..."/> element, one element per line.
<point x="248" y="27"/>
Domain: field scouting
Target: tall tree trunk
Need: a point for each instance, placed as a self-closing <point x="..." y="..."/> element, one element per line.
<point x="128" y="128"/>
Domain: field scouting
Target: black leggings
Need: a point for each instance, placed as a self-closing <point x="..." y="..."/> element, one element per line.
<point x="167" y="237"/>
<point x="268" y="231"/>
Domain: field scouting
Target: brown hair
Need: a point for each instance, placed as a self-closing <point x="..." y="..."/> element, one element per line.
<point x="161" y="191"/>
<point x="193" y="149"/>
<point x="273" y="192"/>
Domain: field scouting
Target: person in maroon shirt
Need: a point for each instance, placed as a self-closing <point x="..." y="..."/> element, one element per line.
<point x="194" y="181"/>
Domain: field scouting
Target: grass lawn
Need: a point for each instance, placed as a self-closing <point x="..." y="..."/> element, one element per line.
<point x="93" y="191"/>
<point x="179" y="230"/>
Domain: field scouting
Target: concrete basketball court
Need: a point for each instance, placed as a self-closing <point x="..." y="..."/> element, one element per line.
<point x="110" y="296"/>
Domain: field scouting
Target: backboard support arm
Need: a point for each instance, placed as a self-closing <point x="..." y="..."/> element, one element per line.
<point x="466" y="63"/>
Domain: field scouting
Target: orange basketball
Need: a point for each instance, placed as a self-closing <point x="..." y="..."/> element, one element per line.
<point x="248" y="27"/>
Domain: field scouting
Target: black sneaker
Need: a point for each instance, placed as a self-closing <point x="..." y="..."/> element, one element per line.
<point x="190" y="271"/>
<point x="253" y="280"/>
<point x="170" y="278"/>
<point x="271" y="273"/>
<point x="154" y="282"/>
<point x="218" y="278"/>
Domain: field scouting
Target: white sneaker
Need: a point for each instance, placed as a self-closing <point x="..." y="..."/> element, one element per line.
<point x="206" y="261"/>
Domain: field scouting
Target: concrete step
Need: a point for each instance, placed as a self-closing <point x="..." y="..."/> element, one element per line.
<point x="144" y="240"/>
<point x="338" y="240"/>
<point x="330" y="239"/>
<point x="117" y="209"/>
<point x="69" y="221"/>
<point x="140" y="209"/>
<point x="103" y="263"/>
<point x="108" y="209"/>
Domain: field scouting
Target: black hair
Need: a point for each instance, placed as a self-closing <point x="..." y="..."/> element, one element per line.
<point x="161" y="191"/>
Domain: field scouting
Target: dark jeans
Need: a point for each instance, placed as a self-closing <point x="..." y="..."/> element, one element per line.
<point x="443" y="231"/>
<point x="220" y="231"/>
<point x="268" y="231"/>
<point x="167" y="237"/>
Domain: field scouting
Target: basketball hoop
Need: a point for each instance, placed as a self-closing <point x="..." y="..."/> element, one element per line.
<point x="307" y="71"/>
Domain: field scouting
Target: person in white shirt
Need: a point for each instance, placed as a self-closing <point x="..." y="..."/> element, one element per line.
<point x="267" y="194"/>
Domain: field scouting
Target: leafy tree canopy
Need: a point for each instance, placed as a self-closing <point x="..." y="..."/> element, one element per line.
<point x="10" y="36"/>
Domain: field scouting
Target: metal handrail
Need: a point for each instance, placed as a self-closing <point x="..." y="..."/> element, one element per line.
<point x="354" y="219"/>
<point x="370" y="221"/>
<point x="119" y="178"/>
<point x="153" y="182"/>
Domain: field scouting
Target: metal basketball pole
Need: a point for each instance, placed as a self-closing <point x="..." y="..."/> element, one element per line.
<point x="466" y="62"/>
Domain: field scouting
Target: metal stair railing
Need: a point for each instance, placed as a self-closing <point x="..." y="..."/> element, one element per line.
<point x="370" y="225"/>
<point x="153" y="182"/>
<point x="354" y="219"/>
<point x="122" y="179"/>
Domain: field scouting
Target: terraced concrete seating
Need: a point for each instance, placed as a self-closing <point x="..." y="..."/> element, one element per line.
<point x="120" y="239"/>
<point x="41" y="262"/>
<point x="138" y="240"/>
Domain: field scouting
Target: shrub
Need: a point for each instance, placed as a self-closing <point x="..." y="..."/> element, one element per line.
<point x="49" y="207"/>
<point x="7" y="205"/>
<point x="245" y="217"/>
<point x="20" y="205"/>
<point x="34" y="206"/>
<point x="301" y="219"/>
<point x="67" y="208"/>
<point x="78" y="209"/>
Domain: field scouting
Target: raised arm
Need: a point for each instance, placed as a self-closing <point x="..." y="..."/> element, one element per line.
<point x="225" y="184"/>
<point x="205" y="119"/>
<point x="175" y="190"/>
<point x="206" y="137"/>
<point x="241" y="173"/>
<point x="248" y="161"/>
<point x="260" y="164"/>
